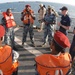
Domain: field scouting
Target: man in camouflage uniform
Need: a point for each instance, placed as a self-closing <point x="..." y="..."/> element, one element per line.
<point x="49" y="20"/>
<point x="28" y="20"/>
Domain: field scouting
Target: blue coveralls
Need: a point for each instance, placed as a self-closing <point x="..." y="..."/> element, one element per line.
<point x="65" y="20"/>
<point x="49" y="27"/>
<point x="9" y="34"/>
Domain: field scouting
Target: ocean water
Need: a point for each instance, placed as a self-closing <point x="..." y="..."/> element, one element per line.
<point x="19" y="6"/>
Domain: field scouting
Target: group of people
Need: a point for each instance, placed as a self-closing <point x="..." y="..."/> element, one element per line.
<point x="46" y="18"/>
<point x="56" y="63"/>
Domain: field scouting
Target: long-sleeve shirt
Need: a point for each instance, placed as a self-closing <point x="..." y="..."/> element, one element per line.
<point x="50" y="18"/>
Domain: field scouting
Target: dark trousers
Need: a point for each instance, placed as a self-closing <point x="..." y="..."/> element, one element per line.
<point x="28" y="28"/>
<point x="71" y="51"/>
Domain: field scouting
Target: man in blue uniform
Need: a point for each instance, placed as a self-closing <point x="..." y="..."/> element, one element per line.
<point x="49" y="20"/>
<point x="65" y="21"/>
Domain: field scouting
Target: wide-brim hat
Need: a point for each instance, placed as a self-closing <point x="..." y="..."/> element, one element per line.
<point x="61" y="39"/>
<point x="50" y="7"/>
<point x="2" y="31"/>
<point x="41" y="5"/>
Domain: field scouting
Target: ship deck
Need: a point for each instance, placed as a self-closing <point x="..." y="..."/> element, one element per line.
<point x="28" y="52"/>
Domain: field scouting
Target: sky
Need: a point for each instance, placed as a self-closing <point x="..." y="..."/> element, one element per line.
<point x="71" y="2"/>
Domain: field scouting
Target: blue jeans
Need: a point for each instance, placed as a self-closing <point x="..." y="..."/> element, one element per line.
<point x="9" y="36"/>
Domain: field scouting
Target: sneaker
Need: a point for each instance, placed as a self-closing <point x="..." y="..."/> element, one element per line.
<point x="44" y="44"/>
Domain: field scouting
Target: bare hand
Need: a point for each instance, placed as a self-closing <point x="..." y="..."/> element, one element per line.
<point x="46" y="23"/>
<point x="58" y="23"/>
<point x="39" y="30"/>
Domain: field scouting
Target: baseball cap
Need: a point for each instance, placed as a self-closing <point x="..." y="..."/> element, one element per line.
<point x="64" y="8"/>
<point x="2" y="31"/>
<point x="61" y="39"/>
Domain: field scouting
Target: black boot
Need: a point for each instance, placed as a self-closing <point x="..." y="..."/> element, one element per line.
<point x="14" y="48"/>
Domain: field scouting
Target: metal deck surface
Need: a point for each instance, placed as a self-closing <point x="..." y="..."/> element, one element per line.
<point x="28" y="52"/>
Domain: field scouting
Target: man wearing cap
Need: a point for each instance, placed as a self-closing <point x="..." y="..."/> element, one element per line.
<point x="58" y="61"/>
<point x="65" y="21"/>
<point x="49" y="20"/>
<point x="28" y="18"/>
<point x="9" y="24"/>
<point x="8" y="57"/>
<point x="41" y="14"/>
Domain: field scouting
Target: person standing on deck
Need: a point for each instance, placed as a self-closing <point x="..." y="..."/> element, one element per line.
<point x="65" y="22"/>
<point x="9" y="23"/>
<point x="49" y="20"/>
<point x="41" y="14"/>
<point x="28" y="18"/>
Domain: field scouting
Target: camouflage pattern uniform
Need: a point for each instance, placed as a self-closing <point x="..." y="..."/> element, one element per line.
<point x="28" y="28"/>
<point x="48" y="29"/>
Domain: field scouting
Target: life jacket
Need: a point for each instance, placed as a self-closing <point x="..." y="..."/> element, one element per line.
<point x="9" y="20"/>
<point x="7" y="67"/>
<point x="48" y="64"/>
<point x="28" y="17"/>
